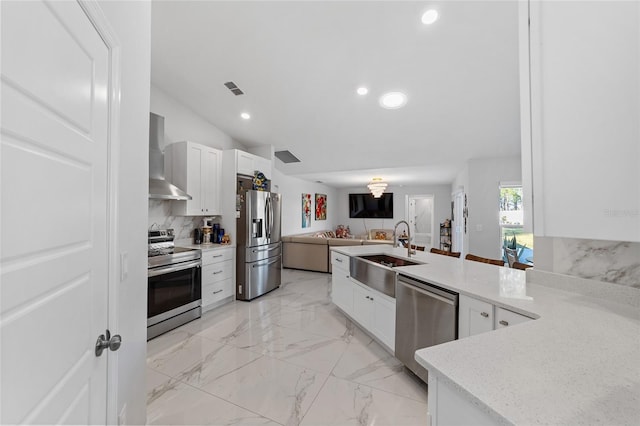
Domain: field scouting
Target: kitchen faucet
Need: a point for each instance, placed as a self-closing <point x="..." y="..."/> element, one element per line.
<point x="395" y="237"/>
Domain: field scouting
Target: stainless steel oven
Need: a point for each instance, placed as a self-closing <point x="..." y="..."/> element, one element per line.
<point x="174" y="284"/>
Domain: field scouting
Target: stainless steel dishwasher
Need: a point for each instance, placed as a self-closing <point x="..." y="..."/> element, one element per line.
<point x="426" y="315"/>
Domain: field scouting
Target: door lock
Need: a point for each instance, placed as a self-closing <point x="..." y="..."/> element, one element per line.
<point x="108" y="342"/>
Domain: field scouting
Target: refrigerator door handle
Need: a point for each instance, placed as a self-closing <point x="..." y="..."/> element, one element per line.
<point x="271" y="217"/>
<point x="267" y="215"/>
<point x="265" y="264"/>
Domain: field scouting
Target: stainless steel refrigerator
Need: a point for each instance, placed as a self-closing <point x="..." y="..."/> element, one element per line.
<point x="259" y="250"/>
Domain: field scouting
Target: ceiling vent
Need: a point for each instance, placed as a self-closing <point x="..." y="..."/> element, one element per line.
<point x="234" y="89"/>
<point x="286" y="157"/>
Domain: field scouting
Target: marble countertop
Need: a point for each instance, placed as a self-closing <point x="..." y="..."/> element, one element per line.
<point x="203" y="247"/>
<point x="577" y="363"/>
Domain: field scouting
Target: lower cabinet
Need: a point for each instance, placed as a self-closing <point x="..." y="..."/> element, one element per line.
<point x="373" y="311"/>
<point x="218" y="267"/>
<point x="477" y="316"/>
<point x="341" y="289"/>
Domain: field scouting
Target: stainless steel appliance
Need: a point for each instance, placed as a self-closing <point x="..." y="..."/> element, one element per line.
<point x="259" y="251"/>
<point x="174" y="283"/>
<point x="426" y="315"/>
<point x="158" y="187"/>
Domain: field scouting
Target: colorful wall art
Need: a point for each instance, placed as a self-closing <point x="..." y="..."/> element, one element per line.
<point x="306" y="210"/>
<point x="321" y="207"/>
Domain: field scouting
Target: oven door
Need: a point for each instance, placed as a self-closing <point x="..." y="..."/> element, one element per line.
<point x="173" y="289"/>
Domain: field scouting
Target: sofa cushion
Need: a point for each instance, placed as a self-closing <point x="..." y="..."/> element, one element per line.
<point x="308" y="240"/>
<point x="381" y="234"/>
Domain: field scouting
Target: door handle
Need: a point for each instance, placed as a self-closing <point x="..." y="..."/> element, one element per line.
<point x="106" y="341"/>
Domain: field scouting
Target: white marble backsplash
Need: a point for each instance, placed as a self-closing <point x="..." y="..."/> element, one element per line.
<point x="609" y="261"/>
<point x="160" y="215"/>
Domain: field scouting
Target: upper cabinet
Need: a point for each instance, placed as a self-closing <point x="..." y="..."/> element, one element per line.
<point x="247" y="164"/>
<point x="580" y="78"/>
<point x="197" y="169"/>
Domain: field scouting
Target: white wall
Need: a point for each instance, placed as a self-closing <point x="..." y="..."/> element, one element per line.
<point x="292" y="189"/>
<point x="182" y="123"/>
<point x="485" y="175"/>
<point x="131" y="22"/>
<point x="441" y="199"/>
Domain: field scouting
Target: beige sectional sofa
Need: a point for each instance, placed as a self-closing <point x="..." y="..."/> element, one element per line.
<point x="311" y="252"/>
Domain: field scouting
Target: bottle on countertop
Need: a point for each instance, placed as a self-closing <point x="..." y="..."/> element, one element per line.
<point x="197" y="236"/>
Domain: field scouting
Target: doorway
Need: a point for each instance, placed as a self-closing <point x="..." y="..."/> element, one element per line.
<point x="458" y="225"/>
<point x="420" y="218"/>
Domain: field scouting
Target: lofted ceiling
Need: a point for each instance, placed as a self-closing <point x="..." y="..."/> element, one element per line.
<point x="299" y="64"/>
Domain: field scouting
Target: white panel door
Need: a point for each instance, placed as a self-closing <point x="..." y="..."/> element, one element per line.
<point x="54" y="222"/>
<point x="420" y="218"/>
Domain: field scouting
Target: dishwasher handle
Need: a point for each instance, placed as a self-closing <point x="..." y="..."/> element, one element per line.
<point x="429" y="290"/>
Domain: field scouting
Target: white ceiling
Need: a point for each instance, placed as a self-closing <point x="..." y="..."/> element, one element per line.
<point x="299" y="64"/>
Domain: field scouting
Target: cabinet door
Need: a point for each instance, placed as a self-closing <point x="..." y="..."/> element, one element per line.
<point x="194" y="176"/>
<point x="506" y="318"/>
<point x="475" y="317"/>
<point x="362" y="305"/>
<point x="342" y="290"/>
<point x="244" y="163"/>
<point x="585" y="126"/>
<point x="383" y="321"/>
<point x="211" y="175"/>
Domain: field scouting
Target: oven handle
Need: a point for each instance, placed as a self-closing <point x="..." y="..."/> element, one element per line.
<point x="174" y="268"/>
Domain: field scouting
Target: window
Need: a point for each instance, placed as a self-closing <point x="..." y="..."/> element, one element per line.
<point x="512" y="222"/>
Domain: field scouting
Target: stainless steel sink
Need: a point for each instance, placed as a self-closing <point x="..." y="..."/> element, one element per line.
<point x="376" y="271"/>
<point x="389" y="261"/>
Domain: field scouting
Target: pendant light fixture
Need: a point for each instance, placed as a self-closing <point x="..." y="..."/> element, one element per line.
<point x="377" y="187"/>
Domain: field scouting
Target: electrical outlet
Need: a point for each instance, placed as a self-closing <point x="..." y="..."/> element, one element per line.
<point x="479" y="228"/>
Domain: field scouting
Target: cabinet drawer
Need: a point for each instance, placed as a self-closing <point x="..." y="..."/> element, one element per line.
<point x="217" y="291"/>
<point x="506" y="318"/>
<point x="215" y="256"/>
<point x="475" y="317"/>
<point x="339" y="260"/>
<point x="217" y="272"/>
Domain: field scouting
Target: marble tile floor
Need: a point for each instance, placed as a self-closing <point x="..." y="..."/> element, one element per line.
<point x="287" y="358"/>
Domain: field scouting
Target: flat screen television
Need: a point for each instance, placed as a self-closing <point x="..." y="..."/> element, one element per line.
<point x="364" y="206"/>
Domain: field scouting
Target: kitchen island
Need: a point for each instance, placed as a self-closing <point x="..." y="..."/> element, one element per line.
<point x="578" y="362"/>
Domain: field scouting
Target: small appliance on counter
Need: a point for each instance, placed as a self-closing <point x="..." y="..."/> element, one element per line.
<point x="197" y="236"/>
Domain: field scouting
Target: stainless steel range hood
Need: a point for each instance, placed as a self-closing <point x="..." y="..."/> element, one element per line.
<point x="158" y="187"/>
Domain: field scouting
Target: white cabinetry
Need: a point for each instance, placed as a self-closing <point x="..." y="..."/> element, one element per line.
<point x="341" y="289"/>
<point x="373" y="311"/>
<point x="474" y="317"/>
<point x="247" y="164"/>
<point x="197" y="169"/>
<point x="217" y="276"/>
<point x="581" y="117"/>
<point x="383" y="318"/>
<point x="477" y="316"/>
<point x="505" y="318"/>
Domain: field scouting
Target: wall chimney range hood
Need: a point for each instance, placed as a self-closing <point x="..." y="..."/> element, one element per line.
<point x="158" y="187"/>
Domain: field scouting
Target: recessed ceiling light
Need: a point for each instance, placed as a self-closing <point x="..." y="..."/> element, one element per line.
<point x="362" y="91"/>
<point x="245" y="115"/>
<point x="430" y="16"/>
<point x="393" y="100"/>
